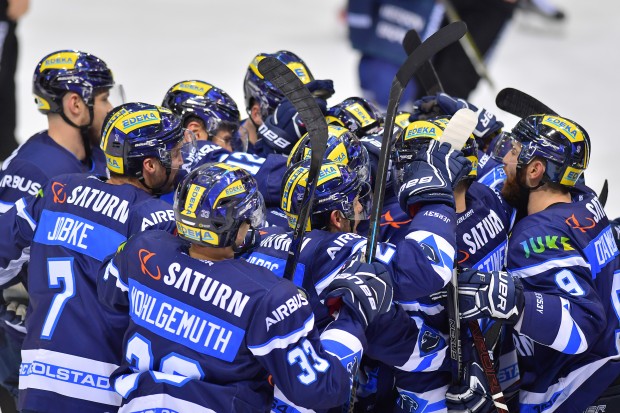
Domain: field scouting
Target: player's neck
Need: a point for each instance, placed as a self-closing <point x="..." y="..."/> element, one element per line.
<point x="201" y="252"/>
<point x="66" y="136"/>
<point x="460" y="202"/>
<point x="543" y="197"/>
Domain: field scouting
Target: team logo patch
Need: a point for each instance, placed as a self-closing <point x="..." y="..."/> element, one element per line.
<point x="360" y="114"/>
<point x="565" y="127"/>
<point x="144" y="256"/>
<point x="60" y="196"/>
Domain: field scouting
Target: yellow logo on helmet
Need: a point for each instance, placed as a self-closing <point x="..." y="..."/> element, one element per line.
<point x="233" y="189"/>
<point x="474" y="166"/>
<point x="402" y="120"/>
<point x="209" y="237"/>
<point x="422" y="129"/>
<point x="335" y="130"/>
<point x="188" y="232"/>
<point x="332" y="120"/>
<point x="135" y="120"/>
<point x="326" y="174"/>
<point x="565" y="127"/>
<point x="301" y="71"/>
<point x="42" y="104"/>
<point x="293" y="180"/>
<point x="570" y="176"/>
<point x="108" y="127"/>
<point x="115" y="164"/>
<point x="292" y="222"/>
<point x="339" y="154"/>
<point x="193" y="197"/>
<point x="194" y="87"/>
<point x="60" y="60"/>
<point x="360" y="114"/>
<point x="227" y="167"/>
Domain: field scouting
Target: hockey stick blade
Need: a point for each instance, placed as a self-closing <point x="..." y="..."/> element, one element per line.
<point x="294" y="90"/>
<point x="604" y="193"/>
<point x="489" y="369"/>
<point x="438" y="41"/>
<point x="460" y="127"/>
<point x="426" y="75"/>
<point x="521" y="104"/>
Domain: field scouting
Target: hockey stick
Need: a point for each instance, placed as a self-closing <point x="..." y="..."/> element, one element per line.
<point x="489" y="369"/>
<point x="469" y="45"/>
<point x="604" y="193"/>
<point x="438" y="41"/>
<point x="294" y="90"/>
<point x="460" y="127"/>
<point x="426" y="75"/>
<point x="521" y="104"/>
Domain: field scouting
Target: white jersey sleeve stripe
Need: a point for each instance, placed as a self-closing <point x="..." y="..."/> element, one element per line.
<point x="575" y="260"/>
<point x="283" y="341"/>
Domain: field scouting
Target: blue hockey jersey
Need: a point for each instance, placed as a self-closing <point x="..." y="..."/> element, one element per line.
<point x="35" y="162"/>
<point x="216" y="336"/>
<point x="490" y="172"/>
<point x="568" y="262"/>
<point x="267" y="171"/>
<point x="72" y="344"/>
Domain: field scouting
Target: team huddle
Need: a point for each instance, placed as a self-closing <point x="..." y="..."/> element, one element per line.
<point x="149" y="245"/>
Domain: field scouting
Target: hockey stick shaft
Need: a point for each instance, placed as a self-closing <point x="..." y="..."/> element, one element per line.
<point x="296" y="92"/>
<point x="469" y="45"/>
<point x="438" y="41"/>
<point x="487" y="366"/>
<point x="426" y="75"/>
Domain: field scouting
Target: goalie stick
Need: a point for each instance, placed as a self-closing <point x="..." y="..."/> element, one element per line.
<point x="521" y="104"/>
<point x="298" y="94"/>
<point x="438" y="41"/>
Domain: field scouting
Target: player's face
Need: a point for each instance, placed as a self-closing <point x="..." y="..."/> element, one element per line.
<point x="199" y="130"/>
<point x="224" y="138"/>
<point x="101" y="107"/>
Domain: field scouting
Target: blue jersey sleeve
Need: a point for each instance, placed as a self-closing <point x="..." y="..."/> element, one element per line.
<point x="559" y="290"/>
<point x="425" y="257"/>
<point x="112" y="283"/>
<point x="310" y="370"/>
<point x="20" y="223"/>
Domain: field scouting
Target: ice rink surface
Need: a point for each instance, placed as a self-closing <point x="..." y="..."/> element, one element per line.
<point x="151" y="44"/>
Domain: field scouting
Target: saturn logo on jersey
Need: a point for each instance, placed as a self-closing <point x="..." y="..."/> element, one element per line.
<point x="144" y="256"/>
<point x="60" y="196"/>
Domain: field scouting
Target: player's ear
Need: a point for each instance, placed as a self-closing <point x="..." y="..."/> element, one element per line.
<point x="536" y="171"/>
<point x="336" y="220"/>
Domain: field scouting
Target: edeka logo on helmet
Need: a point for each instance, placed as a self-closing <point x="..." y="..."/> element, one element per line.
<point x="61" y="60"/>
<point x="138" y="119"/>
<point x="195" y="87"/>
<point x="195" y="192"/>
<point x="568" y="129"/>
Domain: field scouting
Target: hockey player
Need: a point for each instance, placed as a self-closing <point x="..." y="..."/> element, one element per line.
<point x="423" y="256"/>
<point x="262" y="99"/>
<point x="483" y="222"/>
<point x="206" y="110"/>
<point x="72" y="89"/>
<point x="72" y="343"/>
<point x="212" y="333"/>
<point x="358" y="115"/>
<point x="490" y="171"/>
<point x="561" y="289"/>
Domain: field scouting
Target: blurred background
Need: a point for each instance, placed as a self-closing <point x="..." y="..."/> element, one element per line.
<point x="570" y="65"/>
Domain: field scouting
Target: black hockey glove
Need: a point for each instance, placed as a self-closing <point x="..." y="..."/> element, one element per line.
<point x="472" y="395"/>
<point x="490" y="294"/>
<point x="366" y="289"/>
<point x="431" y="176"/>
<point x="444" y="104"/>
<point x="283" y="128"/>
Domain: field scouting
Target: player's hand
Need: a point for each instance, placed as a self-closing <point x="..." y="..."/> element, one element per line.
<point x="493" y="294"/>
<point x="472" y="395"/>
<point x="431" y="176"/>
<point x="366" y="289"/>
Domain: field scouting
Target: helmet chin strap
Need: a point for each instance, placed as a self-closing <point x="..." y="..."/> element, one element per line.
<point x="88" y="151"/>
